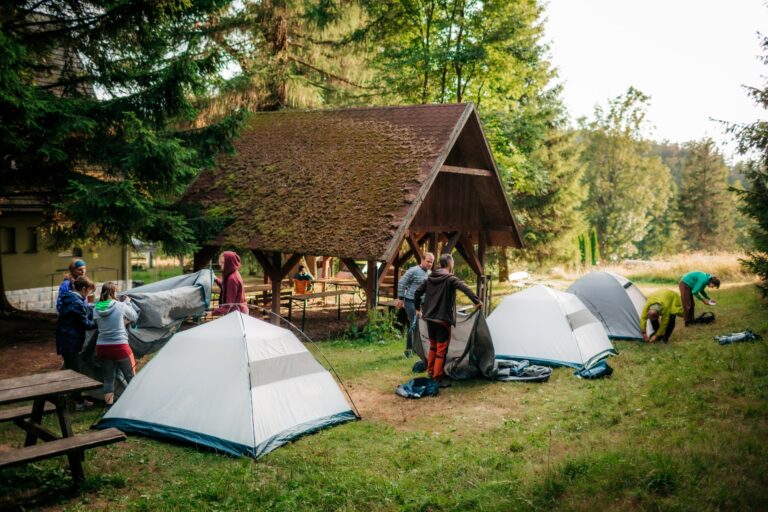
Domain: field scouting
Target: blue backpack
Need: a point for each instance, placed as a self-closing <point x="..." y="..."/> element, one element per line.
<point x="597" y="371"/>
<point x="418" y="388"/>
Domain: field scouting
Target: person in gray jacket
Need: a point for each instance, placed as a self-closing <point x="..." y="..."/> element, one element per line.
<point x="112" y="346"/>
<point x="406" y="289"/>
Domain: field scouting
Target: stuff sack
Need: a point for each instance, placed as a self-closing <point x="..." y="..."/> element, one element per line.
<point x="705" y="318"/>
<point x="737" y="337"/>
<point x="521" y="371"/>
<point x="418" y="388"/>
<point x="598" y="371"/>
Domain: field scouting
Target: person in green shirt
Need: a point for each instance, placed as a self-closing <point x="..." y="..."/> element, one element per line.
<point x="694" y="284"/>
<point x="661" y="308"/>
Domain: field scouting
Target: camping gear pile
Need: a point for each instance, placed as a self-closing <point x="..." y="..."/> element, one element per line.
<point x="737" y="337"/>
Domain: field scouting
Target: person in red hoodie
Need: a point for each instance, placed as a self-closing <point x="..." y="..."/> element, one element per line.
<point x="232" y="297"/>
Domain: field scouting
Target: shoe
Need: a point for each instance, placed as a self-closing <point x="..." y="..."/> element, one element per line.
<point x="444" y="383"/>
<point x="408" y="353"/>
<point x="85" y="404"/>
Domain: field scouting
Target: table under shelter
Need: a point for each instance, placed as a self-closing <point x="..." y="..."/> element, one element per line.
<point x="374" y="187"/>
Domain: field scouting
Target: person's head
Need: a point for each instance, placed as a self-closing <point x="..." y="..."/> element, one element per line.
<point x="714" y="282"/>
<point x="84" y="286"/>
<point x="301" y="269"/>
<point x="427" y="261"/>
<point x="446" y="262"/>
<point x="108" y="291"/>
<point x="653" y="312"/>
<point x="77" y="268"/>
<point x="229" y="262"/>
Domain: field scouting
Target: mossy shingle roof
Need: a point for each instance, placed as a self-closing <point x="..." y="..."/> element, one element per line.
<point x="333" y="182"/>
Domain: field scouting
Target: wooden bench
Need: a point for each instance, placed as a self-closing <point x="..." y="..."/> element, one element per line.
<point x="23" y="412"/>
<point x="73" y="447"/>
<point x="304" y="298"/>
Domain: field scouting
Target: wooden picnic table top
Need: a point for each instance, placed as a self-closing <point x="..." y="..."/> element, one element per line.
<point x="19" y="389"/>
<point x="262" y="287"/>
<point x="320" y="295"/>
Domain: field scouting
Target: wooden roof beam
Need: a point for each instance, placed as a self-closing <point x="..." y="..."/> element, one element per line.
<point x="471" y="171"/>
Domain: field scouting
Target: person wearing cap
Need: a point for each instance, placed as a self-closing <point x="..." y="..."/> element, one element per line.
<point x="694" y="284"/>
<point x="661" y="308"/>
<point x="77" y="269"/>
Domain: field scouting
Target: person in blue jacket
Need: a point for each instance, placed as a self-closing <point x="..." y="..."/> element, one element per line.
<point x="77" y="269"/>
<point x="73" y="321"/>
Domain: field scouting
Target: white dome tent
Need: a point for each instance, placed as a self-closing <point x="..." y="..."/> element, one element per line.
<point x="237" y="384"/>
<point x="548" y="327"/>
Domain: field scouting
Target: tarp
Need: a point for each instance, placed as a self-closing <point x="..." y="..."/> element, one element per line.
<point x="162" y="306"/>
<point x="237" y="385"/>
<point x="614" y="300"/>
<point x="548" y="327"/>
<point x="470" y="352"/>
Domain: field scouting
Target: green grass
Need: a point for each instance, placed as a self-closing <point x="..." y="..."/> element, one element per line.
<point x="678" y="427"/>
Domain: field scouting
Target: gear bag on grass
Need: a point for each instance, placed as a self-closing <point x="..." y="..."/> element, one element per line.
<point x="418" y="388"/>
<point x="706" y="317"/>
<point x="737" y="337"/>
<point x="598" y="371"/>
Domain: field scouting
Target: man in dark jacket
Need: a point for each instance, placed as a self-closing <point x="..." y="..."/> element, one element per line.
<point x="439" y="310"/>
<point x="71" y="326"/>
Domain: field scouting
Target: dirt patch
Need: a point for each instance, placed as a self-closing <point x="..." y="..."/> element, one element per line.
<point x="450" y="406"/>
<point x="27" y="344"/>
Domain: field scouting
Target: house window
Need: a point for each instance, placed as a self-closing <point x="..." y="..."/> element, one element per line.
<point x="8" y="240"/>
<point x="31" y="240"/>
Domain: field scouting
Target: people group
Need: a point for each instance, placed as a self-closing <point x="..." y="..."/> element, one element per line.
<point x="662" y="307"/>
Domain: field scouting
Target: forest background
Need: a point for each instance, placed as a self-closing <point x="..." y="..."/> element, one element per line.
<point x="174" y="80"/>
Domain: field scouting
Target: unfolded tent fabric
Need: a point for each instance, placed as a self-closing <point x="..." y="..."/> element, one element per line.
<point x="470" y="351"/>
<point x="614" y="300"/>
<point x="163" y="306"/>
<point x="237" y="385"/>
<point x="548" y="327"/>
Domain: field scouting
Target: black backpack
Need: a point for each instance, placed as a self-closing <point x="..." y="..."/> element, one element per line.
<point x="706" y="318"/>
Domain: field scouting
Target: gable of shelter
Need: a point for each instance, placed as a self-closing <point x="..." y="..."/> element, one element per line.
<point x="462" y="198"/>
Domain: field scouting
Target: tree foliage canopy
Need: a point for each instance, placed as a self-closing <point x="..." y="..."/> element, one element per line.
<point x="99" y="102"/>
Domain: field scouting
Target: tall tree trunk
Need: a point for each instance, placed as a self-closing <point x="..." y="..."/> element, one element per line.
<point x="503" y="265"/>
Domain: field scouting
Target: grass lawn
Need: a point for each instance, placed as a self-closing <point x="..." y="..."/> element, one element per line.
<point x="678" y="427"/>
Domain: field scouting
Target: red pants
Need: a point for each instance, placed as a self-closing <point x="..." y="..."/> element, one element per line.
<point x="439" y="338"/>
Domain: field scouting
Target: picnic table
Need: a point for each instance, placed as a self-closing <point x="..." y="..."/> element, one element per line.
<point x="49" y="391"/>
<point x="305" y="297"/>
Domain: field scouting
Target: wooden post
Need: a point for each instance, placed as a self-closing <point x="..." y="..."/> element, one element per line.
<point x="481" y="259"/>
<point x="433" y="249"/>
<point x="277" y="260"/>
<point x="372" y="286"/>
<point x="395" y="280"/>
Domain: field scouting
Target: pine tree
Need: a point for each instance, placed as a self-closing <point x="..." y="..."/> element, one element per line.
<point x="753" y="140"/>
<point x="705" y="209"/>
<point x="97" y="100"/>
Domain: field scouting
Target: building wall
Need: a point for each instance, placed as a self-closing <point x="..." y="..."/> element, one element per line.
<point x="26" y="268"/>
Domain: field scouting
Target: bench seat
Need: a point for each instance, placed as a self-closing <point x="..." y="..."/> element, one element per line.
<point x="23" y="412"/>
<point x="58" y="447"/>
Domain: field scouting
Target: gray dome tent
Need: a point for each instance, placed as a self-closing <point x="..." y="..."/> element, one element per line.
<point x="614" y="300"/>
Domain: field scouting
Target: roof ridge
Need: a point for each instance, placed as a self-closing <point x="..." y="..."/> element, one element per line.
<point x="369" y="107"/>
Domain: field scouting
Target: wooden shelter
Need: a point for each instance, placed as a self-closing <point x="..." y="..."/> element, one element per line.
<point x="377" y="184"/>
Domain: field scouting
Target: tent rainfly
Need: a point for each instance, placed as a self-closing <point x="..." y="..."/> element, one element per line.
<point x="614" y="300"/>
<point x="237" y="385"/>
<point x="548" y="327"/>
